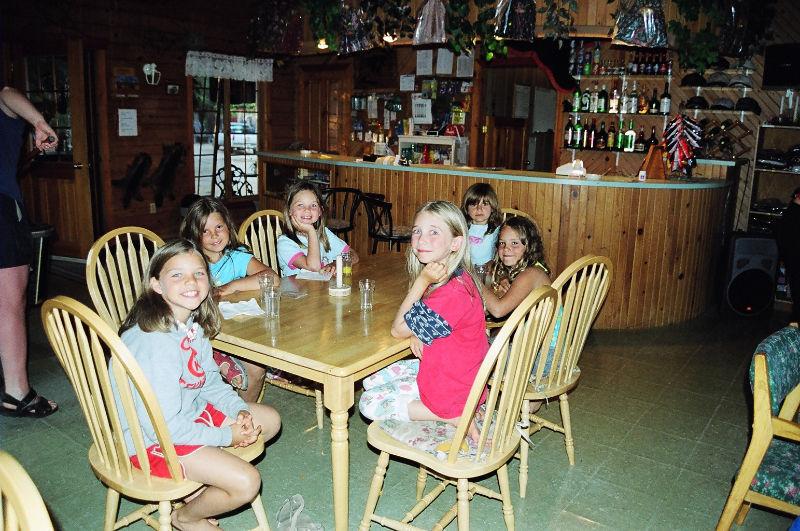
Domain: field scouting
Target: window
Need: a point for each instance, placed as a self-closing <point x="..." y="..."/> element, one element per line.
<point x="47" y="86"/>
<point x="213" y="125"/>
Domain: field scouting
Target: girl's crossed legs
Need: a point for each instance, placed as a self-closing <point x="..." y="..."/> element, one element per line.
<point x="230" y="481"/>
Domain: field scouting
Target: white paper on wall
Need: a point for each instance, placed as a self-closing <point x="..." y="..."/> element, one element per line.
<point x="127" y="122"/>
<point x="407" y="82"/>
<point x="444" y="62"/>
<point x="421" y="111"/>
<point x="465" y="66"/>
<point x="424" y="62"/>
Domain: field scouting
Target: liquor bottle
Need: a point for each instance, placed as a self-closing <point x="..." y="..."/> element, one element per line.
<point x="568" y="132"/>
<point x="640" y="141"/>
<point x="603" y="68"/>
<point x="576" y="99"/>
<point x="587" y="62"/>
<point x="611" y="143"/>
<point x="601" y="141"/>
<point x="633" y="66"/>
<point x="593" y="99"/>
<point x="653" y="140"/>
<point x="623" y="101"/>
<point x="633" y="100"/>
<point x="666" y="100"/>
<point x="592" y="135"/>
<point x="662" y="66"/>
<point x="577" y="136"/>
<point x="586" y="99"/>
<point x="613" y="101"/>
<point x="642" y="65"/>
<point x="644" y="105"/>
<point x="630" y="138"/>
<point x="596" y="59"/>
<point x="602" y="100"/>
<point x="654" y="103"/>
<point x="648" y="65"/>
<point x="620" y="143"/>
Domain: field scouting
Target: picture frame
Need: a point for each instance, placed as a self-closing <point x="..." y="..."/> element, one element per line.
<point x="173" y="89"/>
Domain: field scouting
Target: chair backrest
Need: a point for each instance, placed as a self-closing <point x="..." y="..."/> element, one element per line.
<point x="511" y="212"/>
<point x="260" y="232"/>
<point x="507" y="366"/>
<point x="114" y="269"/>
<point x="21" y="505"/>
<point x="83" y="343"/>
<point x="782" y="353"/>
<point x="379" y="216"/>
<point x="341" y="203"/>
<point x="582" y="288"/>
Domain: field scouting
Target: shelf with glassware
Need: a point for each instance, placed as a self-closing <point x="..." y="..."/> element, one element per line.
<point x="773" y="185"/>
<point x="423" y="149"/>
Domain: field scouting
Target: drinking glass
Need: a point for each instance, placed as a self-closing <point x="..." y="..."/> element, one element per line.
<point x="367" y="288"/>
<point x="272" y="302"/>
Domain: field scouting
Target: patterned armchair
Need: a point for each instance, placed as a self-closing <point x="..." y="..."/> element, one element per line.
<point x="770" y="472"/>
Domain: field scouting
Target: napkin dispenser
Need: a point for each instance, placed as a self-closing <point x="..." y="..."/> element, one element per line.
<point x="573" y="169"/>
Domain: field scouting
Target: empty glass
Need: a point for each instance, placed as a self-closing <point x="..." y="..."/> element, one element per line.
<point x="367" y="288"/>
<point x="271" y="299"/>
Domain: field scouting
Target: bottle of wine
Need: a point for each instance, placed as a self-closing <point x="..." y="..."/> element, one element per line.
<point x="577" y="135"/>
<point x="592" y="136"/>
<point x="587" y="62"/>
<point x="640" y="141"/>
<point x="666" y="100"/>
<point x="643" y="103"/>
<point x="633" y="66"/>
<point x="602" y="100"/>
<point x="601" y="141"/>
<point x="653" y="140"/>
<point x="642" y="65"/>
<point x="611" y="143"/>
<point x="621" y="138"/>
<point x="576" y="99"/>
<point x="654" y="105"/>
<point x="568" y="132"/>
<point x="593" y="99"/>
<point x="630" y="138"/>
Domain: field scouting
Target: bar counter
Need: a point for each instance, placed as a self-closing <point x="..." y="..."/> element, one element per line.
<point x="663" y="236"/>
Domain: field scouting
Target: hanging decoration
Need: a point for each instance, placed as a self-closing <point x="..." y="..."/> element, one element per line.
<point x="516" y="20"/>
<point x="324" y="19"/>
<point x="640" y="23"/>
<point x="356" y="29"/>
<point x="207" y="64"/>
<point x="463" y="35"/>
<point x="559" y="19"/>
<point x="395" y="21"/>
<point x="431" y="24"/>
<point x="276" y="34"/>
<point x="681" y="137"/>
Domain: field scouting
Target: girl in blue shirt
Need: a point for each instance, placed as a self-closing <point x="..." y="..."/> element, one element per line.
<point x="481" y="208"/>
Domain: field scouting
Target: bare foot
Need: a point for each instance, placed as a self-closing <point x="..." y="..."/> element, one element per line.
<point x="198" y="525"/>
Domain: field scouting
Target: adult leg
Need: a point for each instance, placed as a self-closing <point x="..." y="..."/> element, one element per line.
<point x="231" y="483"/>
<point x="13" y="338"/>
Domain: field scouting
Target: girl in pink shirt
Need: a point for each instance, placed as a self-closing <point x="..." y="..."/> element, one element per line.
<point x="443" y="316"/>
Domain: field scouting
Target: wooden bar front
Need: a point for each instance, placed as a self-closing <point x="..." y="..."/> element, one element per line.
<point x="663" y="237"/>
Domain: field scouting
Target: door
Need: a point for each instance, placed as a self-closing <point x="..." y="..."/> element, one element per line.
<point x="57" y="187"/>
<point x="325" y="108"/>
<point x="505" y="143"/>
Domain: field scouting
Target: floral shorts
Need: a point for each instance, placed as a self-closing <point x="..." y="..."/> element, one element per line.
<point x="388" y="392"/>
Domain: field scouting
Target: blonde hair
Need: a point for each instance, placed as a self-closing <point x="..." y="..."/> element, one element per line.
<point x="290" y="231"/>
<point x="455" y="222"/>
<point x="152" y="313"/>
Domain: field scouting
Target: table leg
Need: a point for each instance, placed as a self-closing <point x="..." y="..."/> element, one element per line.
<point x="338" y="397"/>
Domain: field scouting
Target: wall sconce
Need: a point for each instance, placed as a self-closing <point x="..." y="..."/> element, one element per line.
<point x="322" y="45"/>
<point x="389" y="37"/>
<point x="151" y="75"/>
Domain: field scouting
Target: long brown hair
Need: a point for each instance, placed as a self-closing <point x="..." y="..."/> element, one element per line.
<point x="195" y="221"/>
<point x="289" y="230"/>
<point x="531" y="238"/>
<point x="477" y="193"/>
<point x="152" y="313"/>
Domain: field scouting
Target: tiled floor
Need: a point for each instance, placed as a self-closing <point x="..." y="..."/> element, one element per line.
<point x="660" y="419"/>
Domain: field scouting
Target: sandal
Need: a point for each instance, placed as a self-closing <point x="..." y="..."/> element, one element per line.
<point x="31" y="405"/>
<point x="231" y="370"/>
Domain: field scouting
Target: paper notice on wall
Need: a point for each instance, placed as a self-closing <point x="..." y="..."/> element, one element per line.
<point x="127" y="122"/>
<point x="522" y="100"/>
<point x="421" y="111"/>
<point x="444" y="62"/>
<point x="465" y="66"/>
<point x="424" y="62"/>
<point x="407" y="82"/>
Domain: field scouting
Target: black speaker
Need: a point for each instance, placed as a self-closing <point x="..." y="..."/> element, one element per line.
<point x="750" y="286"/>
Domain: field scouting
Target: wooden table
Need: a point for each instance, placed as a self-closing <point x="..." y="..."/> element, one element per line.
<point x="328" y="340"/>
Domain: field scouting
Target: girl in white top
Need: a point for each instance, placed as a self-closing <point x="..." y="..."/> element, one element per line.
<point x="306" y="243"/>
<point x="482" y="210"/>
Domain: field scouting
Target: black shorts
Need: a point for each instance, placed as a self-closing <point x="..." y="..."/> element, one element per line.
<point x="16" y="245"/>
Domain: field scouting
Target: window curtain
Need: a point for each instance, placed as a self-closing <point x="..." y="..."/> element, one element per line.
<point x="215" y="65"/>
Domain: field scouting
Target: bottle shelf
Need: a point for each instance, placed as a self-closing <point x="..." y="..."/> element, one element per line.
<point x="629" y="116"/>
<point x="608" y="151"/>
<point x="775" y="126"/>
<point x="772" y="170"/>
<point x="632" y="77"/>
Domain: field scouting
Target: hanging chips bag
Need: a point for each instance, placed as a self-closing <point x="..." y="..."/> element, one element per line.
<point x="516" y="20"/>
<point x="355" y="31"/>
<point x="640" y="23"/>
<point x="430" y="27"/>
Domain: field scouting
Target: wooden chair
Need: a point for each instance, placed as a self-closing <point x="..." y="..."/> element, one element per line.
<point x="508" y="361"/>
<point x="260" y="231"/>
<point x="21" y="505"/>
<point x="381" y="226"/>
<point x="114" y="269"/>
<point x="510" y="212"/>
<point x="768" y="475"/>
<point x="582" y="288"/>
<point x="83" y="343"/>
<point x="341" y="205"/>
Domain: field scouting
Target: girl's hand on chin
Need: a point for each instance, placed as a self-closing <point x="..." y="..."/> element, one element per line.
<point x="302" y="227"/>
<point x="434" y="272"/>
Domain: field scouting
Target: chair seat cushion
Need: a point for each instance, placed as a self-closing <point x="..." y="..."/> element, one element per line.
<point x="428" y="436"/>
<point x="779" y="473"/>
<point x="400" y="231"/>
<point x="337" y="224"/>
